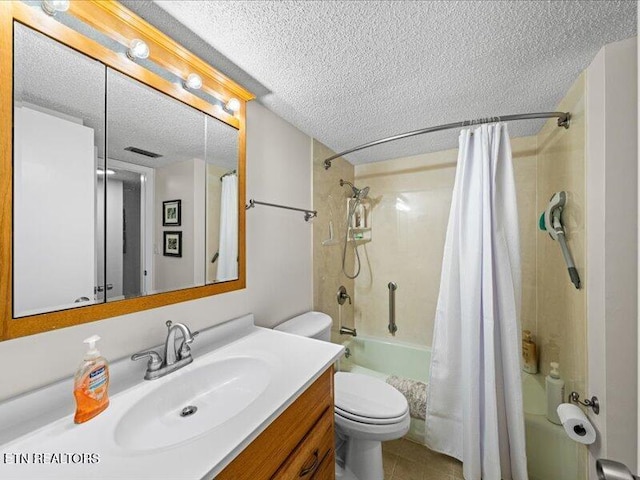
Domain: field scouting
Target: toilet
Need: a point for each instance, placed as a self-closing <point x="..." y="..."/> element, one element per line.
<point x="367" y="410"/>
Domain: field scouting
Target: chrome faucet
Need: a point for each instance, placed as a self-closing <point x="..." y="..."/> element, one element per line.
<point x="171" y="355"/>
<point x="174" y="358"/>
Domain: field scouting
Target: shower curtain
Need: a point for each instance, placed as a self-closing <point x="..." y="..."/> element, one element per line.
<point x="228" y="248"/>
<point x="474" y="404"/>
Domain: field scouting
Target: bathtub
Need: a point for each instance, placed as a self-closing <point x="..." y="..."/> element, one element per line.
<point x="551" y="455"/>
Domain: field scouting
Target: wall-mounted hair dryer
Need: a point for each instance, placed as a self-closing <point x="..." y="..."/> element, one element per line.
<point x="551" y="221"/>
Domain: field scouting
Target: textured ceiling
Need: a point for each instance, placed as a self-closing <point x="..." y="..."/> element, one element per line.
<point x="350" y="72"/>
<point x="50" y="75"/>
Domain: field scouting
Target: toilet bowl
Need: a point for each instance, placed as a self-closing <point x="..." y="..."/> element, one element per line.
<point x="367" y="410"/>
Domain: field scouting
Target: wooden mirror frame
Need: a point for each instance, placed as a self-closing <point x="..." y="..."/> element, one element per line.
<point x="122" y="25"/>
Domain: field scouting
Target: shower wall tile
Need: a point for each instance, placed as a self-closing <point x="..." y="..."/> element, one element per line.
<point x="411" y="200"/>
<point x="329" y="199"/>
<point x="562" y="321"/>
<point x="524" y="152"/>
<point x="561" y="308"/>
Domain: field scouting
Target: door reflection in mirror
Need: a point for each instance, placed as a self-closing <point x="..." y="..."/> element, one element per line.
<point x="59" y="105"/>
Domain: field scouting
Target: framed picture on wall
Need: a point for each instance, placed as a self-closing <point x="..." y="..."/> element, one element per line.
<point x="171" y="213"/>
<point x="172" y="244"/>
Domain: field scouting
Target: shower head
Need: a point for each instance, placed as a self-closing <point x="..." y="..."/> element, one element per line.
<point x="359" y="193"/>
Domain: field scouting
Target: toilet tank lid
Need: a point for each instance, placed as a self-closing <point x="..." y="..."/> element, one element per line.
<point x="308" y="324"/>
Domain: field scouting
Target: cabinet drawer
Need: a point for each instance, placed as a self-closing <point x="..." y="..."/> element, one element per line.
<point x="267" y="453"/>
<point x="307" y="456"/>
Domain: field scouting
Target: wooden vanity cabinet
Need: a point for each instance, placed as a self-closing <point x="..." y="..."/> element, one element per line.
<point x="299" y="444"/>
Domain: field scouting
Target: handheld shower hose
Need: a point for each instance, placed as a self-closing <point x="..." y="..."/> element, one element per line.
<point x="358" y="195"/>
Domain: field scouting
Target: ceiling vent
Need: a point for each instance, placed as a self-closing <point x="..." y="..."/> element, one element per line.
<point x="140" y="151"/>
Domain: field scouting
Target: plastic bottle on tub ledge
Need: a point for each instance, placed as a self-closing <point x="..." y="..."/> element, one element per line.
<point x="555" y="393"/>
<point x="529" y="353"/>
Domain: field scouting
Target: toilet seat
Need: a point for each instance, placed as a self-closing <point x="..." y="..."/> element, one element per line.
<point x="368" y="400"/>
<point x="368" y="420"/>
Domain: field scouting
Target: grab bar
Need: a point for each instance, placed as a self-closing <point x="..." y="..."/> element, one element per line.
<point x="393" y="328"/>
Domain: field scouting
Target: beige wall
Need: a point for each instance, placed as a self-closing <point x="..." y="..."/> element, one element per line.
<point x="561" y="316"/>
<point x="177" y="181"/>
<point x="329" y="199"/>
<point x="561" y="330"/>
<point x="278" y="270"/>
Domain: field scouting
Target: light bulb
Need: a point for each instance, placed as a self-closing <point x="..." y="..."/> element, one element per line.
<point x="193" y="82"/>
<point x="233" y="105"/>
<point x="51" y="7"/>
<point x="100" y="171"/>
<point x="138" y="49"/>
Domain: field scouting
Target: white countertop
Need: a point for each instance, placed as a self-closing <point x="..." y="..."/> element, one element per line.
<point x="294" y="363"/>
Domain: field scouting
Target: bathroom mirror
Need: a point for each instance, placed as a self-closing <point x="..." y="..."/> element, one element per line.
<point x="125" y="187"/>
<point x="159" y="202"/>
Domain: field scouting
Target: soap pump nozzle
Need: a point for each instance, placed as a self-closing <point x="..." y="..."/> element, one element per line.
<point x="92" y="352"/>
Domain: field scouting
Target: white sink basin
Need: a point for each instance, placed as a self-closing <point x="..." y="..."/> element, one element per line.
<point x="219" y="390"/>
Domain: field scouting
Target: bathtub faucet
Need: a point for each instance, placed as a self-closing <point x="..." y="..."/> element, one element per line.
<point x="348" y="331"/>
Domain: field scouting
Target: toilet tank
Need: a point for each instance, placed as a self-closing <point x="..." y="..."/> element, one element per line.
<point x="311" y="324"/>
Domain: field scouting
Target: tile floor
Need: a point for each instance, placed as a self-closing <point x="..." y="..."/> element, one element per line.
<point x="405" y="460"/>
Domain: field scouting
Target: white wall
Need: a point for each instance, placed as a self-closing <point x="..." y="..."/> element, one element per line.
<point x="612" y="238"/>
<point x="279" y="280"/>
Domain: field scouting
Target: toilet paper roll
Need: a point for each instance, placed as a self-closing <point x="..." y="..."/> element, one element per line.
<point x="576" y="424"/>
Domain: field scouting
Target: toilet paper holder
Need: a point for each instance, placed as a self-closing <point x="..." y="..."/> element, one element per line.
<point x="592" y="402"/>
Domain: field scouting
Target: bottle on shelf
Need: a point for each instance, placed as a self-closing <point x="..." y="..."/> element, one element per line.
<point x="529" y="353"/>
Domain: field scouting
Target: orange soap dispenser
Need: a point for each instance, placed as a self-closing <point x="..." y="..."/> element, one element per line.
<point x="91" y="383"/>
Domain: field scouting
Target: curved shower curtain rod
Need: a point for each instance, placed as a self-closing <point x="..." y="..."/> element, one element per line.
<point x="563" y="121"/>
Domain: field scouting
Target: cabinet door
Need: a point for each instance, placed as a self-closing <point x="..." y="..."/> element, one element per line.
<point x="266" y="456"/>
